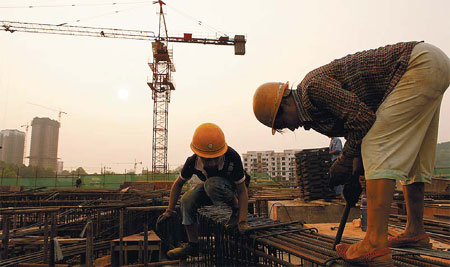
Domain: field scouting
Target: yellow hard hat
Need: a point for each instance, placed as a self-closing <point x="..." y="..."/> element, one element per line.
<point x="266" y="102"/>
<point x="209" y="141"/>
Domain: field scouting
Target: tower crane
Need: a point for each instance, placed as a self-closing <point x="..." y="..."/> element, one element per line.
<point x="134" y="164"/>
<point x="60" y="112"/>
<point x="25" y="143"/>
<point x="162" y="66"/>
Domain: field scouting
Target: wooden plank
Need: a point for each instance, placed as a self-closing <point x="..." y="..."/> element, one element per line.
<point x="5" y="235"/>
<point x="152" y="236"/>
<point x="103" y="261"/>
<point x="89" y="244"/>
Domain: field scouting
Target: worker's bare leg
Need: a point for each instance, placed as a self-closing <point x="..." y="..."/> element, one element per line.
<point x="379" y="199"/>
<point x="414" y="195"/>
<point x="192" y="232"/>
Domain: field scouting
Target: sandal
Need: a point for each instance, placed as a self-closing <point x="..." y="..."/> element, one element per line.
<point x="367" y="259"/>
<point x="416" y="241"/>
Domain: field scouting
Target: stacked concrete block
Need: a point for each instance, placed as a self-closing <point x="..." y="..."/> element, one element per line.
<point x="312" y="166"/>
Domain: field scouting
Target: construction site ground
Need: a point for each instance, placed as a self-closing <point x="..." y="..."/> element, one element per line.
<point x="353" y="230"/>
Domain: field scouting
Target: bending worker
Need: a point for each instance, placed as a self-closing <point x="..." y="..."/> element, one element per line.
<point x="386" y="103"/>
<point x="220" y="168"/>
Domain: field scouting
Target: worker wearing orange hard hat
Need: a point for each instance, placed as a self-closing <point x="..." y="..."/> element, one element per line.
<point x="386" y="103"/>
<point x="224" y="182"/>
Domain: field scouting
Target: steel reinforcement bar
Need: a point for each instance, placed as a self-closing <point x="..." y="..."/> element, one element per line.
<point x="271" y="243"/>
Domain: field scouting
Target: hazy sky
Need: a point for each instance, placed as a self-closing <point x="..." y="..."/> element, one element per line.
<point x="101" y="83"/>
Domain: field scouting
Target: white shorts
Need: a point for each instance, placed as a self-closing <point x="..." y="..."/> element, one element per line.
<point x="402" y="142"/>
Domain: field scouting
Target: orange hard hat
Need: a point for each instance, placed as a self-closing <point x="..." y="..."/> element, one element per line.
<point x="266" y="102"/>
<point x="209" y="141"/>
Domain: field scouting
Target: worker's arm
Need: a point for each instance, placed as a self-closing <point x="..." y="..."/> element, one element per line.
<point x="334" y="152"/>
<point x="170" y="212"/>
<point x="185" y="174"/>
<point x="327" y="94"/>
<point x="337" y="145"/>
<point x="243" y="201"/>
<point x="175" y="192"/>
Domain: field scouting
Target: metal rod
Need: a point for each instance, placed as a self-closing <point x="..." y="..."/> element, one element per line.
<point x="342" y="225"/>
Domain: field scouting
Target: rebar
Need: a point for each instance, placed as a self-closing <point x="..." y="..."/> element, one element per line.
<point x="271" y="243"/>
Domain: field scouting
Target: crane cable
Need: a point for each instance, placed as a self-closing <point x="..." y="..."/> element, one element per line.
<point x="74" y="5"/>
<point x="139" y="3"/>
<point x="103" y="15"/>
<point x="197" y="21"/>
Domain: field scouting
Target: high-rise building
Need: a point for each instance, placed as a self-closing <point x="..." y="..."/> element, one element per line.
<point x="280" y="165"/>
<point x="44" y="143"/>
<point x="60" y="166"/>
<point x="12" y="143"/>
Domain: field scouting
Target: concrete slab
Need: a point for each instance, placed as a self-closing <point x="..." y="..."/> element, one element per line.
<point x="317" y="211"/>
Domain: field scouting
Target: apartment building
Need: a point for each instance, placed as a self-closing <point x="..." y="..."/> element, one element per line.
<point x="44" y="143"/>
<point x="12" y="143"/>
<point x="279" y="165"/>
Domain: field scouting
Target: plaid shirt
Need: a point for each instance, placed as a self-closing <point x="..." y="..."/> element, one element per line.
<point x="342" y="97"/>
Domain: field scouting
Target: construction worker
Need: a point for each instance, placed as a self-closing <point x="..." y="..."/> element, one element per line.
<point x="78" y="182"/>
<point x="220" y="168"/>
<point x="335" y="150"/>
<point x="386" y="103"/>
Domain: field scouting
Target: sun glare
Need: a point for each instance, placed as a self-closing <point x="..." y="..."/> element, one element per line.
<point x="123" y="94"/>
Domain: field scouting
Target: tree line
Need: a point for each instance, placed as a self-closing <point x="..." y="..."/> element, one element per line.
<point x="8" y="170"/>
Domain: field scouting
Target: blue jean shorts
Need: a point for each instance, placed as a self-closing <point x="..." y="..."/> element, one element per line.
<point x="214" y="191"/>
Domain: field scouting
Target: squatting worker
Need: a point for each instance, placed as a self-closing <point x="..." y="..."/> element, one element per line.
<point x="386" y="103"/>
<point x="220" y="168"/>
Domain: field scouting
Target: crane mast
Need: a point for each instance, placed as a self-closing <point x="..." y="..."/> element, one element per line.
<point x="160" y="83"/>
<point x="161" y="86"/>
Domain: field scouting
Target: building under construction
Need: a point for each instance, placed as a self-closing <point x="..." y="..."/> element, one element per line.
<point x="44" y="143"/>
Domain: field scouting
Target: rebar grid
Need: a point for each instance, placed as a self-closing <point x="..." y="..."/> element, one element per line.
<point x="271" y="243"/>
<point x="47" y="223"/>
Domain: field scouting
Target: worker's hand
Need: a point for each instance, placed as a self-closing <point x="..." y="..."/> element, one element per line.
<point x="352" y="191"/>
<point x="233" y="220"/>
<point x="340" y="171"/>
<point x="243" y="227"/>
<point x="357" y="167"/>
<point x="163" y="218"/>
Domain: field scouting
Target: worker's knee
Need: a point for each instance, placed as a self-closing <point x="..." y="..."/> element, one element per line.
<point x="220" y="190"/>
<point x="187" y="200"/>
